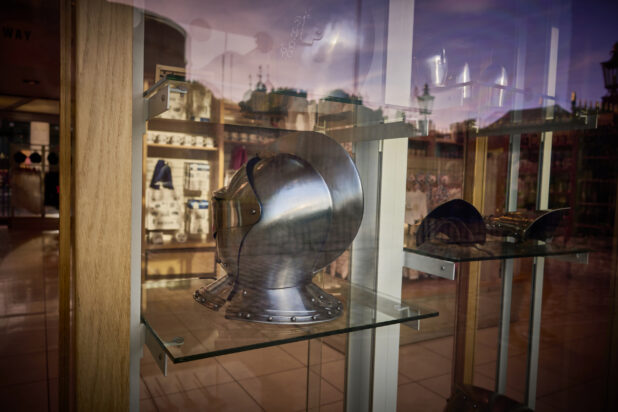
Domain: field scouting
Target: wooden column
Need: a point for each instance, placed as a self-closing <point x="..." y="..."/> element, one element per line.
<point x="102" y="204"/>
<point x="469" y="274"/>
<point x="65" y="291"/>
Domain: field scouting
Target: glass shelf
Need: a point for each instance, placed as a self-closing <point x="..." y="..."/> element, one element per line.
<point x="493" y="249"/>
<point x="189" y="331"/>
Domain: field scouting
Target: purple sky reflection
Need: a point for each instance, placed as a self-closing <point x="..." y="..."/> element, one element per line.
<point x="323" y="45"/>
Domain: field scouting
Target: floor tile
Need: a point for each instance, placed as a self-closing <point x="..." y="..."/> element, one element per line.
<point x="51" y="326"/>
<point x="52" y="388"/>
<point x="299" y="351"/>
<point x="441" y="346"/>
<point x="250" y="364"/>
<point x="580" y="360"/>
<point x="542" y="405"/>
<point x="23" y="368"/>
<point x="23" y="296"/>
<point x="22" y="335"/>
<point x="147" y="405"/>
<point x="330" y="354"/>
<point x="329" y="394"/>
<point x="146" y="356"/>
<point x="221" y="398"/>
<point x="441" y="385"/>
<point x="144" y="393"/>
<point x="483" y="381"/>
<point x="334" y="373"/>
<point x="332" y="407"/>
<point x="413" y="397"/>
<point x="418" y="363"/>
<point x="489" y="383"/>
<point x="52" y="364"/>
<point x="548" y="381"/>
<point x="402" y="379"/>
<point x="585" y="397"/>
<point x="24" y="397"/>
<point x="287" y="391"/>
<point x="183" y="377"/>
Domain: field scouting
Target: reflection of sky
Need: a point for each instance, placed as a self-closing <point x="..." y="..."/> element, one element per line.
<point x="312" y="45"/>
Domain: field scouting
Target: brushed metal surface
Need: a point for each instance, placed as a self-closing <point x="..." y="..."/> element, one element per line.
<point x="285" y="215"/>
<point x="337" y="169"/>
<point x="235" y="210"/>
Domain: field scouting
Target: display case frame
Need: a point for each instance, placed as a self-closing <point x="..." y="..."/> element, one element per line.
<point x="381" y="157"/>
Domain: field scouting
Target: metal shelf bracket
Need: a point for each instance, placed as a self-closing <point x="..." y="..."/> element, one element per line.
<point x="433" y="266"/>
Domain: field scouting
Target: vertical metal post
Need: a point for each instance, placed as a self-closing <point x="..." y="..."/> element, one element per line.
<point x="364" y="263"/>
<point x="377" y="253"/>
<point x="392" y="201"/>
<point x="511" y="206"/>
<point x="314" y="374"/>
<point x="139" y="127"/>
<point x="390" y="264"/>
<point x="507" y="269"/>
<point x="541" y="203"/>
<point x="505" y="323"/>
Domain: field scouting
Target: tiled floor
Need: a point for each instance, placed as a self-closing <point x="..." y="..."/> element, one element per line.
<point x="28" y="321"/>
<point x="574" y="343"/>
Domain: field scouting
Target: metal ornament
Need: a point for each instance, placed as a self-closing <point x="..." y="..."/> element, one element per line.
<point x="458" y="222"/>
<point x="285" y="215"/>
<point x="455" y="221"/>
<point x="523" y="225"/>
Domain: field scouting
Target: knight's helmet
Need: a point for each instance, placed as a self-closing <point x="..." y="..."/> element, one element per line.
<point x="284" y="216"/>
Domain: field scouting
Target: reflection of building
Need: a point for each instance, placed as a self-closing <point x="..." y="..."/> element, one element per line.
<point x="340" y="109"/>
<point x="582" y="177"/>
<point x="283" y="108"/>
<point x="610" y="77"/>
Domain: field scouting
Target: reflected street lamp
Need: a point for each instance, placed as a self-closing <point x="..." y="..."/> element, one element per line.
<point x="425" y="106"/>
<point x="610" y="76"/>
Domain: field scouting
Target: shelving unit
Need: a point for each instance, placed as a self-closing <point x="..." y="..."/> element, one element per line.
<point x="181" y="253"/>
<point x="528" y="141"/>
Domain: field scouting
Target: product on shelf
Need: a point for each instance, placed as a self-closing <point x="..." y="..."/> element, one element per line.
<point x="459" y="222"/>
<point x="162" y="205"/>
<point x="197" y="218"/>
<point x="528" y="224"/>
<point x="309" y="210"/>
<point x="197" y="177"/>
<point x="163" y="210"/>
<point x="455" y="221"/>
<point x="179" y="139"/>
<point x="177" y="100"/>
<point x="199" y="101"/>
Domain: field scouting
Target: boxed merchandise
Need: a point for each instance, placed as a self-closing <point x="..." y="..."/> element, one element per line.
<point x="177" y="100"/>
<point x="197" y="177"/>
<point x="197" y="218"/>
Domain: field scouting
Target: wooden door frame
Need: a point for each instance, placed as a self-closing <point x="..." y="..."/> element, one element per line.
<point x="95" y="205"/>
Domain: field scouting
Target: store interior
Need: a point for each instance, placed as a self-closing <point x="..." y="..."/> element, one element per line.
<point x="207" y="131"/>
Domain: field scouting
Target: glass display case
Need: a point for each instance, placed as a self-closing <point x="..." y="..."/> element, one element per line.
<point x="433" y="102"/>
